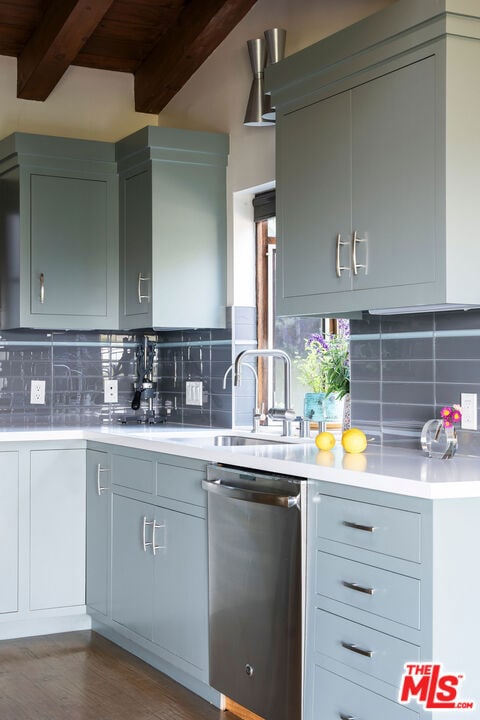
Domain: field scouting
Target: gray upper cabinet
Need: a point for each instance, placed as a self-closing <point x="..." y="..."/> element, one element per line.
<point x="172" y="228"/>
<point x="58" y="233"/>
<point x="376" y="147"/>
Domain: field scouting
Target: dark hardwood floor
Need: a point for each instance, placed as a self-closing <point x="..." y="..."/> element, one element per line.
<point x="82" y="676"/>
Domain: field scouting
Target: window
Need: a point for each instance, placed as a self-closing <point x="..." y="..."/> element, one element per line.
<point x="287" y="333"/>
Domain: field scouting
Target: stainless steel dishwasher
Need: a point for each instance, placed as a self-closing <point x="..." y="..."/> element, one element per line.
<point x="255" y="590"/>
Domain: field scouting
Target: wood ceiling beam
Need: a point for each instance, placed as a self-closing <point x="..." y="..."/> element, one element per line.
<point x="200" y="28"/>
<point x="62" y="32"/>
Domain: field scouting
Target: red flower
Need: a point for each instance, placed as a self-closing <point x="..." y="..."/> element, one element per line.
<point x="451" y="415"/>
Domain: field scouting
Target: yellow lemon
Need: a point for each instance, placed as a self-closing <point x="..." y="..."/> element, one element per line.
<point x="325" y="441"/>
<point x="354" y="440"/>
<point x="325" y="458"/>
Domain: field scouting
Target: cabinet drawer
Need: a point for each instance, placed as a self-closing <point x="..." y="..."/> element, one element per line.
<point x="381" y="592"/>
<point x="180" y="483"/>
<point x="335" y="698"/>
<point x="385" y="530"/>
<point x="133" y="473"/>
<point x="375" y="653"/>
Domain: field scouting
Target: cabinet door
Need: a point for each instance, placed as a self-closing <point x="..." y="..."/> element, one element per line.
<point x="69" y="228"/>
<point x="314" y="196"/>
<point x="57" y="528"/>
<point x="8" y="532"/>
<point x="136" y="244"/>
<point x="132" y="564"/>
<point x="189" y="250"/>
<point x="393" y="177"/>
<point x="181" y="590"/>
<point x="99" y="497"/>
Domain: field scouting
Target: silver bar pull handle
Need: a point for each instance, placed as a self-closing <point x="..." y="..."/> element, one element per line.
<point x="356" y="649"/>
<point x="141" y="297"/>
<point x="157" y="526"/>
<point x="256" y="496"/>
<point x="101" y="470"/>
<point x="42" y="288"/>
<point x="144" y="533"/>
<point x="357" y="526"/>
<point x="356" y="266"/>
<point x="339" y="267"/>
<point x="342" y="716"/>
<point x="358" y="588"/>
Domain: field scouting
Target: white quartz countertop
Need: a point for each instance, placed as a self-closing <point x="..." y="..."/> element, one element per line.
<point x="405" y="472"/>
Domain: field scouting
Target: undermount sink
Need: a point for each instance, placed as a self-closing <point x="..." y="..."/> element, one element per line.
<point x="229" y="440"/>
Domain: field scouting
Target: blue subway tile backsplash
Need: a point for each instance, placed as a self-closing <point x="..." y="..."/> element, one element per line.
<point x="427" y="361"/>
<point x="74" y="366"/>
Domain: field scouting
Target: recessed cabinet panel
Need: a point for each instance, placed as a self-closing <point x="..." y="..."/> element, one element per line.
<point x="8" y="532"/>
<point x="99" y="495"/>
<point x="337" y="698"/>
<point x="394" y="126"/>
<point x="68" y="246"/>
<point x="135" y="203"/>
<point x="57" y="528"/>
<point x="132" y="565"/>
<point x="181" y="483"/>
<point x="189" y="249"/>
<point x="374" y="590"/>
<point x="314" y="158"/>
<point x="380" y="529"/>
<point x="363" y="648"/>
<point x="181" y="572"/>
<point x="59" y="239"/>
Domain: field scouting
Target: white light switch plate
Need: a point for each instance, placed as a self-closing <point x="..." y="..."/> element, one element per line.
<point x="37" y="392"/>
<point x="194" y="393"/>
<point x="110" y="391"/>
<point x="468" y="402"/>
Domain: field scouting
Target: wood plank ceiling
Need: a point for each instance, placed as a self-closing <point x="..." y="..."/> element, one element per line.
<point x="162" y="42"/>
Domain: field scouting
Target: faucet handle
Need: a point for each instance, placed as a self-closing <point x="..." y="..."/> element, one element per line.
<point x="282" y="414"/>
<point x="303" y="427"/>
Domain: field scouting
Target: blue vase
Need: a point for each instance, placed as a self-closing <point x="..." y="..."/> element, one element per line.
<point x="321" y="407"/>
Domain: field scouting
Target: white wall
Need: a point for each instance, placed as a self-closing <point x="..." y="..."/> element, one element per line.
<point x="89" y="104"/>
<point x="215" y="99"/>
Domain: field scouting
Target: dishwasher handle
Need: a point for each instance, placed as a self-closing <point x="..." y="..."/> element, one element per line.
<point x="256" y="496"/>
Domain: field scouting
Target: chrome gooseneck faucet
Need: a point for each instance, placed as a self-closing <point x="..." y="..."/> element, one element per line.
<point x="286" y="414"/>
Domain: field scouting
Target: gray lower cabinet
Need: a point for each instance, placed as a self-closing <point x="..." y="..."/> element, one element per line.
<point x="133" y="565"/>
<point x="160" y="594"/>
<point x="180" y="608"/>
<point x="172" y="228"/>
<point x="388" y="583"/>
<point x="9" y="522"/>
<point x="372" y="173"/>
<point x="365" y="578"/>
<point x="57" y="528"/>
<point x="42" y="538"/>
<point x="147" y="558"/>
<point x="99" y="492"/>
<point x="59" y="238"/>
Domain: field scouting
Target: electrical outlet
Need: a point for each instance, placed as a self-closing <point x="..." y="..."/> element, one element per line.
<point x="110" y="391"/>
<point x="37" y="392"/>
<point x="194" y="393"/>
<point x="468" y="402"/>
